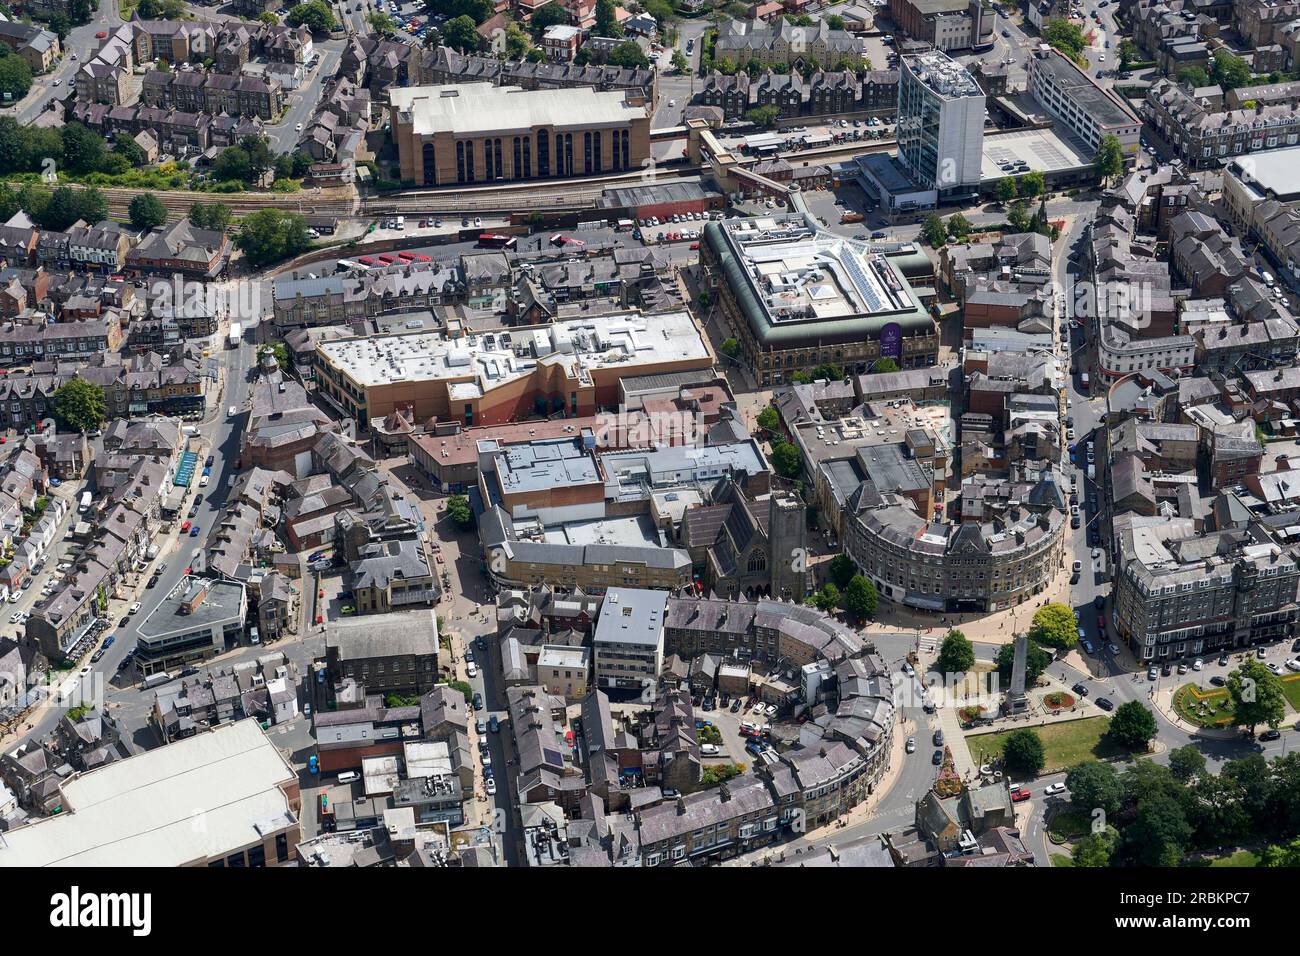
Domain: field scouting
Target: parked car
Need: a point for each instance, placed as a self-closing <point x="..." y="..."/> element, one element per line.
<point x="1219" y="681"/>
<point x="938" y="738"/>
<point x="911" y="745"/>
<point x="938" y="758"/>
<point x="1081" y="689"/>
<point x="1019" y="794"/>
<point x="491" y="787"/>
<point x="478" y="701"/>
<point x="1152" y="673"/>
<point x="1053" y="789"/>
<point x="1270" y="734"/>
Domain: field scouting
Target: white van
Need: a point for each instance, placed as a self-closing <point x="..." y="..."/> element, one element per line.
<point x="349" y="776"/>
<point x="401" y="223"/>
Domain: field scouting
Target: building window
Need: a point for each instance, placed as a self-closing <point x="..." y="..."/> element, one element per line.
<point x="460" y="162"/>
<point x="596" y="146"/>
<point x="543" y="153"/>
<point x="586" y="153"/>
<point x="519" y="171"/>
<point x="469" y="161"/>
<point x="430" y="166"/>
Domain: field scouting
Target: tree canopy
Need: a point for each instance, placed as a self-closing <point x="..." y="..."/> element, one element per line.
<point x="1023" y="752"/>
<point x="270" y="235"/>
<point x="1133" y="725"/>
<point x="79" y="405"/>
<point x="147" y="211"/>
<point x="956" y="654"/>
<point x="1054" y="626"/>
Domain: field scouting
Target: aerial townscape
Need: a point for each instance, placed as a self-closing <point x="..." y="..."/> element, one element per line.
<point x="650" y="433"/>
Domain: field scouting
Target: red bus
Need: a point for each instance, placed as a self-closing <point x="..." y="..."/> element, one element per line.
<point x="492" y="240"/>
<point x="368" y="261"/>
<point x="422" y="258"/>
<point x="406" y="256"/>
<point x="387" y="259"/>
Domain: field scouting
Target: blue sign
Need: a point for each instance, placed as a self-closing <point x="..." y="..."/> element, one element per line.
<point x="891" y="340"/>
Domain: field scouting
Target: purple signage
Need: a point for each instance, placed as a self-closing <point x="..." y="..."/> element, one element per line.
<point x="891" y="340"/>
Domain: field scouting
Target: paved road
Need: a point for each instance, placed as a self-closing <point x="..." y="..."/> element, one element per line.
<point x="81" y="40"/>
<point x="303" y="101"/>
<point x="224" y="438"/>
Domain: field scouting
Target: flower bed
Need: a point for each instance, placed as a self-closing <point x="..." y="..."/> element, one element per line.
<point x="1058" y="700"/>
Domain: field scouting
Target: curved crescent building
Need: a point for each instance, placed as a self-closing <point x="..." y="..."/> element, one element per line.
<point x="1007" y="547"/>
<point x="800" y="296"/>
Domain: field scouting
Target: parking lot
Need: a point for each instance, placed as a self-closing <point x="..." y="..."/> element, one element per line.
<point x="731" y="749"/>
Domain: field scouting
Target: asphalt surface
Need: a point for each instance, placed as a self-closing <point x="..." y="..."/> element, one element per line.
<point x="223" y="435"/>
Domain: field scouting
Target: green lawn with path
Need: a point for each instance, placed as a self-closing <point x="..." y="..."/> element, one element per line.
<point x="1064" y="744"/>
<point x="1189" y="696"/>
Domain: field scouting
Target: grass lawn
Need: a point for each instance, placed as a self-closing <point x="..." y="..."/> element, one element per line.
<point x="1062" y="859"/>
<point x="1291" y="689"/>
<point x="1067" y="826"/>
<point x="1065" y="744"/>
<point x="1240" y="858"/>
<point x="1187" y="697"/>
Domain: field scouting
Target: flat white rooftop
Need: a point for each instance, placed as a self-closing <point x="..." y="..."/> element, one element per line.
<point x="468" y="109"/>
<point x="201" y="797"/>
<point x="490" y="359"/>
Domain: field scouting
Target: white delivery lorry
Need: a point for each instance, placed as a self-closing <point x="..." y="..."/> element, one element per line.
<point x="236" y="334"/>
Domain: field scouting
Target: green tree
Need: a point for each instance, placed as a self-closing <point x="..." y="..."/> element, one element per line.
<point x="1109" y="162"/>
<point x="933" y="233"/>
<point x="629" y="55"/>
<point x="1186" y="763"/>
<point x="1128" y="54"/>
<point x="1194" y="77"/>
<point x="459" y="511"/>
<point x="1159" y="833"/>
<point x="127" y="147"/>
<point x="1032" y="184"/>
<point x="83" y="150"/>
<point x="956" y="654"/>
<point x="730" y="348"/>
<point x="213" y="215"/>
<point x="232" y="164"/>
<point x="1096" y="849"/>
<point x="1067" y="37"/>
<point x="270" y="235"/>
<point x="860" y="598"/>
<point x="607" y="24"/>
<point x="147" y="211"/>
<point x="1018" y="216"/>
<point x="959" y="226"/>
<point x="1023" y="752"/>
<point x="1229" y="71"/>
<point x="1054" y="626"/>
<point x="1133" y="726"/>
<point x="785" y="459"/>
<point x="381" y="23"/>
<point x="1256" y="694"/>
<point x="15" y="77"/>
<point x="79" y="405"/>
<point x="1216" y="810"/>
<point x="60" y="212"/>
<point x="883" y="365"/>
<point x="315" y="15"/>
<point x="549" y="15"/>
<point x="835" y="21"/>
<point x="828" y="598"/>
<point x="679" y="62"/>
<point x="1286" y="855"/>
<point x="1006" y="189"/>
<point x="1036" y="661"/>
<point x="1094" y="785"/>
<point x="841" y="570"/>
<point x="704" y="301"/>
<point x="462" y="34"/>
<point x="769" y="419"/>
<point x="764" y="117"/>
